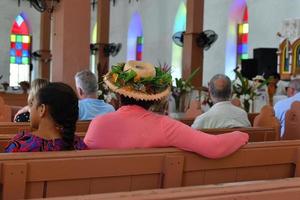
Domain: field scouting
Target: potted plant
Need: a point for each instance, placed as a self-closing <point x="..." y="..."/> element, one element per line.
<point x="182" y="91"/>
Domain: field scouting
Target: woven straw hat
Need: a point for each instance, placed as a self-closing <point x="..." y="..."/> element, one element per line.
<point x="136" y="87"/>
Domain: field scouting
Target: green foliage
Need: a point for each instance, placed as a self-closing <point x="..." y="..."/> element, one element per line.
<point x="246" y="88"/>
<point x="151" y="85"/>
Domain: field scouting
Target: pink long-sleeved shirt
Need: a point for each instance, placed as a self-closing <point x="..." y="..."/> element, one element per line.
<point x="134" y="127"/>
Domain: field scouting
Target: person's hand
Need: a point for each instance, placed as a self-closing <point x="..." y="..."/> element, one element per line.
<point x="244" y="136"/>
<point x="22" y="110"/>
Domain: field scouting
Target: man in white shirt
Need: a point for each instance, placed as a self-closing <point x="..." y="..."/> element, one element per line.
<point x="284" y="105"/>
<point x="223" y="114"/>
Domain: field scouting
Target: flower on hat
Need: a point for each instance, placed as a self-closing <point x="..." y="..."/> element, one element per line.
<point x="139" y="80"/>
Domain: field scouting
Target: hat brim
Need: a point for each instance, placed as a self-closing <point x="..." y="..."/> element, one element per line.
<point x="136" y="94"/>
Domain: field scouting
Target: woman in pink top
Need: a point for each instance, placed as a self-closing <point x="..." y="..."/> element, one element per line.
<point x="133" y="126"/>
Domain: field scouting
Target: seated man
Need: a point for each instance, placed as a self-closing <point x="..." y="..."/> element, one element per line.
<point x="223" y="114"/>
<point x="89" y="105"/>
<point x="284" y="105"/>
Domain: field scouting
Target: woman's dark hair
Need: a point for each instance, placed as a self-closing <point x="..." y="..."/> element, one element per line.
<point x="130" y="101"/>
<point x="62" y="103"/>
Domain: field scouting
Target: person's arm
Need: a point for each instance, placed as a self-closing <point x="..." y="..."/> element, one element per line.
<point x="91" y="138"/>
<point x="22" y="110"/>
<point x="211" y="146"/>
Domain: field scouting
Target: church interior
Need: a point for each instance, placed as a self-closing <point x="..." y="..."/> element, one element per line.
<point x="150" y="99"/>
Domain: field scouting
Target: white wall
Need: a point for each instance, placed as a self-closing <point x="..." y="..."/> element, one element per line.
<point x="158" y="20"/>
<point x="265" y="18"/>
<point x="9" y="10"/>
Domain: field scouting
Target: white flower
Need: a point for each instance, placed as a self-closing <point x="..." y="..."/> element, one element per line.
<point x="100" y="92"/>
<point x="246" y="96"/>
<point x="108" y="98"/>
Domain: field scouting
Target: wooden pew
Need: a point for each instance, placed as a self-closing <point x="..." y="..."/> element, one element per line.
<point x="292" y="122"/>
<point x="14" y="99"/>
<point x="50" y="174"/>
<point x="266" y="118"/>
<point x="252" y="190"/>
<point x="8" y="130"/>
<point x="13" y="128"/>
<point x="256" y="134"/>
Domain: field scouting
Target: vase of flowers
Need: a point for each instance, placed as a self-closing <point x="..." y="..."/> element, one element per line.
<point x="246" y="90"/>
<point x="182" y="92"/>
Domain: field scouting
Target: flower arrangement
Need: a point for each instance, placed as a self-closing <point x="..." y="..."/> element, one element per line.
<point x="246" y="90"/>
<point x="181" y="92"/>
<point x="148" y="85"/>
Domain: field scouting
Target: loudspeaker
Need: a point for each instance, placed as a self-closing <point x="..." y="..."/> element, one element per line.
<point x="266" y="59"/>
<point x="249" y="68"/>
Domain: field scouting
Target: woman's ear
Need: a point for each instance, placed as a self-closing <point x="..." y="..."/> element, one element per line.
<point x="42" y="110"/>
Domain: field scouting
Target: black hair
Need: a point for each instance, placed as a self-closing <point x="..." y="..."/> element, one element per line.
<point x="62" y="103"/>
<point x="130" y="101"/>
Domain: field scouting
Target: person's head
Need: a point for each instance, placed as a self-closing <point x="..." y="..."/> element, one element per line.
<point x="35" y="86"/>
<point x="139" y="83"/>
<point x="130" y="101"/>
<point x="293" y="88"/>
<point x="220" y="88"/>
<point x="56" y="103"/>
<point x="86" y="84"/>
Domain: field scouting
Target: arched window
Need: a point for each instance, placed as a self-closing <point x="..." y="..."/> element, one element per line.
<point x="20" y="51"/>
<point x="242" y="42"/>
<point x="237" y="12"/>
<point x="179" y="25"/>
<point x="135" y="39"/>
<point x="93" y="66"/>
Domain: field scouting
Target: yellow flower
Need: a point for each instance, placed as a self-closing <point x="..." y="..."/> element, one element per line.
<point x="115" y="77"/>
<point x="137" y="78"/>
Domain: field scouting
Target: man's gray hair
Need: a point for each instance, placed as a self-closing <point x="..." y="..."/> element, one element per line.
<point x="295" y="84"/>
<point x="87" y="81"/>
<point x="220" y="88"/>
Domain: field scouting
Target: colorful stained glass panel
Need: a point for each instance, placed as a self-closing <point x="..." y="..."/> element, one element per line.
<point x="25" y="53"/>
<point x="19" y="38"/>
<point x="26" y="39"/>
<point x="19" y="45"/>
<point x="25" y="60"/>
<point x="12" y="59"/>
<point x="244" y="56"/>
<point x="245" y="28"/>
<point x="26" y="46"/>
<point x="19" y="60"/>
<point x="245" y="38"/>
<point x="13" y="38"/>
<point x="12" y="52"/>
<point x="139" y="48"/>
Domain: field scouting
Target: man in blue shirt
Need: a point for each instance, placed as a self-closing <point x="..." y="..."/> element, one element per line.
<point x="284" y="105"/>
<point x="89" y="105"/>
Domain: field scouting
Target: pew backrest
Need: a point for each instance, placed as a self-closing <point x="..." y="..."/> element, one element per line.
<point x="292" y="122"/>
<point x="256" y="134"/>
<point x="266" y="118"/>
<point x="255" y="190"/>
<point x="49" y="174"/>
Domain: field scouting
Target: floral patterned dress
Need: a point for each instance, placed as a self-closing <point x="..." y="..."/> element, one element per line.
<point x="27" y="142"/>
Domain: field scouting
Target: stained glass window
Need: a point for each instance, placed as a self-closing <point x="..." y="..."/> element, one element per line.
<point x="139" y="47"/>
<point x="242" y="41"/>
<point x="20" y="51"/>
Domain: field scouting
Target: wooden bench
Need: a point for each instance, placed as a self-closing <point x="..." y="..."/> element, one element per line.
<point x="50" y="174"/>
<point x="252" y="190"/>
<point x="256" y="134"/>
<point x="14" y="99"/>
<point x="292" y="122"/>
<point x="13" y="128"/>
